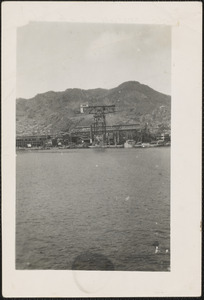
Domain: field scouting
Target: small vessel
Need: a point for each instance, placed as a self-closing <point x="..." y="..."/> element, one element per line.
<point x="153" y="144"/>
<point x="105" y="146"/>
<point x="129" y="144"/>
<point x="114" y="146"/>
<point x="146" y="145"/>
<point x="138" y="145"/>
<point x="97" y="146"/>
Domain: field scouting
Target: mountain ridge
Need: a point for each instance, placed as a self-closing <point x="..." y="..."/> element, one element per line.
<point x="52" y="112"/>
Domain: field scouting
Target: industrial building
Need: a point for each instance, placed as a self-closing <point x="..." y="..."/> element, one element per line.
<point x="115" y="135"/>
<point x="27" y="141"/>
<point x="98" y="133"/>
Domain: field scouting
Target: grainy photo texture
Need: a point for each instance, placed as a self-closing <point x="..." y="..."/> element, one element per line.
<point x="93" y="140"/>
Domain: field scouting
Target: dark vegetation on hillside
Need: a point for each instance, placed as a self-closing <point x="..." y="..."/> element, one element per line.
<point x="53" y="112"/>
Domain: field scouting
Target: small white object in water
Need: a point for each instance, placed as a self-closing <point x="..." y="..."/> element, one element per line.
<point x="156" y="249"/>
<point x="167" y="250"/>
<point x="156" y="223"/>
<point x="127" y="198"/>
<point x="96" y="166"/>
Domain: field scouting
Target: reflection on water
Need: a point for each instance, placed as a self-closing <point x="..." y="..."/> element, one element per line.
<point x="83" y="209"/>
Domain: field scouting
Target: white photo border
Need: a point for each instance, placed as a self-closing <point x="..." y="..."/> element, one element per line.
<point x="184" y="279"/>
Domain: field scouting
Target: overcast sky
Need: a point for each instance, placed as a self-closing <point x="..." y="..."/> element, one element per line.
<point x="58" y="56"/>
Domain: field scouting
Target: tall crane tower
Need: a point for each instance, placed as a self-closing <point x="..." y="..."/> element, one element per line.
<point x="98" y="127"/>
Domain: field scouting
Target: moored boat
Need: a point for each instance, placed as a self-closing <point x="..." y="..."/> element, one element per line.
<point x="129" y="144"/>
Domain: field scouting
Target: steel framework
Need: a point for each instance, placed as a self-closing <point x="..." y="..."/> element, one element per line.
<point x="98" y="127"/>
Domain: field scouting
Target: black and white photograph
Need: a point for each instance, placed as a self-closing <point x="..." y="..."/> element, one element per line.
<point x="93" y="136"/>
<point x="101" y="148"/>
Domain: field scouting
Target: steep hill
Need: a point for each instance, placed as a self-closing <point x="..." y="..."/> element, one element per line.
<point x="53" y="112"/>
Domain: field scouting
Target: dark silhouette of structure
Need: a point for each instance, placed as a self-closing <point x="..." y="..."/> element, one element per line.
<point x="98" y="128"/>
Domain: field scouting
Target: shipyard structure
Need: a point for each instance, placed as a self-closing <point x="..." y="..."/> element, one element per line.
<point x="98" y="133"/>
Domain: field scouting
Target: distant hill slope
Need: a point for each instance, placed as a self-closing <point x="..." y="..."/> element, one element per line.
<point x="52" y="112"/>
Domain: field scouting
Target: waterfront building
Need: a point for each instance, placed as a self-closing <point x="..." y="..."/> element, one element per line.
<point x="32" y="141"/>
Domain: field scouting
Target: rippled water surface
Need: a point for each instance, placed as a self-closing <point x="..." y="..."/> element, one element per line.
<point x="86" y="209"/>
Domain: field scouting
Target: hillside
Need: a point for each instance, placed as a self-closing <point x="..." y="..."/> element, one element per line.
<point x="52" y="112"/>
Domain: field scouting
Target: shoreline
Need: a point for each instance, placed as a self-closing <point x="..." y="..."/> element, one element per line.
<point x="55" y="150"/>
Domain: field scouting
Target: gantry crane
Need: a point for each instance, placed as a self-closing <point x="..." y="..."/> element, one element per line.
<point x="98" y="127"/>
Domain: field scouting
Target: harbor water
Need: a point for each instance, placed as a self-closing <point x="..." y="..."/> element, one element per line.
<point x="93" y="210"/>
